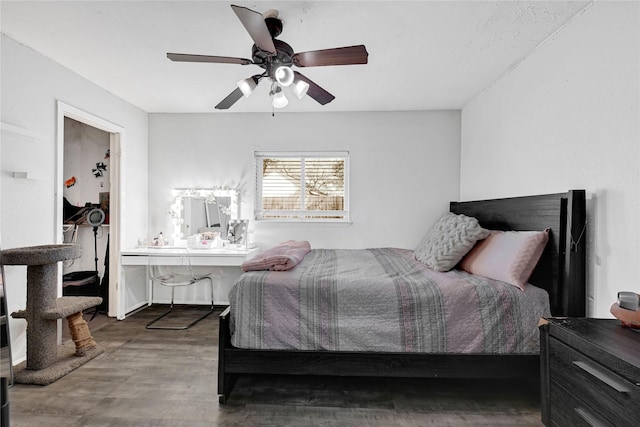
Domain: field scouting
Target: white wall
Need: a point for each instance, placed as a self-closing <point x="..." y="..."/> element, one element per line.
<point x="404" y="168"/>
<point x="30" y="86"/>
<point x="567" y="117"/>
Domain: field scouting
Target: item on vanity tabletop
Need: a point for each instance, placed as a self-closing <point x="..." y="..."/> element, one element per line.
<point x="211" y="239"/>
<point x="237" y="232"/>
<point x="627" y="309"/>
<point x="210" y="235"/>
<point x="160" y="240"/>
<point x="193" y="241"/>
<point x="208" y="240"/>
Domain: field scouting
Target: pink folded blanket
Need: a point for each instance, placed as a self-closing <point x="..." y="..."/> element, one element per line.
<point x="285" y="256"/>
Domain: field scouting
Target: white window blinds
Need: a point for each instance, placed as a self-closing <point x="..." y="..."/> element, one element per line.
<point x="302" y="186"/>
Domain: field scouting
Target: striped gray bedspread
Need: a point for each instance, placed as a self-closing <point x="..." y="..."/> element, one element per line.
<point x="382" y="300"/>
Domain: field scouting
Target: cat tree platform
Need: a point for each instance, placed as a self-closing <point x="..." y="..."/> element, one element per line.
<point x="46" y="361"/>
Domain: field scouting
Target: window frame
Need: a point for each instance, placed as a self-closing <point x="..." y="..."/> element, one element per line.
<point x="302" y="215"/>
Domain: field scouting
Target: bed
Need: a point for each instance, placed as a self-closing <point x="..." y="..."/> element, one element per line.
<point x="560" y="272"/>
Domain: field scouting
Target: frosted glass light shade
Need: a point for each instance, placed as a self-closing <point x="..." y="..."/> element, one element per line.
<point x="284" y="76"/>
<point x="247" y="86"/>
<point x="279" y="100"/>
<point x="300" y="88"/>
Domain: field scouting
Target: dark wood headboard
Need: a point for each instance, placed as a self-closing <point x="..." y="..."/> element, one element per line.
<point x="561" y="269"/>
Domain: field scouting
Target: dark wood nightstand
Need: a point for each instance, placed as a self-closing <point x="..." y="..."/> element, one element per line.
<point x="590" y="373"/>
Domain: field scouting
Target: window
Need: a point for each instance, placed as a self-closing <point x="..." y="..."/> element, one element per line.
<point x="302" y="186"/>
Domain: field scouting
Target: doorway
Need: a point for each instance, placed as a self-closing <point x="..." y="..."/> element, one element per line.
<point x="86" y="192"/>
<point x="115" y="139"/>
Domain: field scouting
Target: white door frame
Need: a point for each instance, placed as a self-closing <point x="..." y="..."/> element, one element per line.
<point x="117" y="141"/>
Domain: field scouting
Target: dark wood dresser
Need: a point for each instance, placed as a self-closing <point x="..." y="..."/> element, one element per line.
<point x="590" y="373"/>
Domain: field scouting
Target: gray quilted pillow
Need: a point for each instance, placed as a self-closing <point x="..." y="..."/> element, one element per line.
<point x="450" y="238"/>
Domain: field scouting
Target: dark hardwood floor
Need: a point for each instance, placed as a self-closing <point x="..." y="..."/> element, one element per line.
<point x="168" y="378"/>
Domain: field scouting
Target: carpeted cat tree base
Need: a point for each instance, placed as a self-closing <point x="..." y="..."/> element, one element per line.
<point x="67" y="361"/>
<point x="46" y="361"/>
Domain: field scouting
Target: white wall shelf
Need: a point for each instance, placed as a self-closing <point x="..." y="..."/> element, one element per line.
<point x="16" y="130"/>
<point x="20" y="167"/>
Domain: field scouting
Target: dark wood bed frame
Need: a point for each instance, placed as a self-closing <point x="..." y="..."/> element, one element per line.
<point x="561" y="271"/>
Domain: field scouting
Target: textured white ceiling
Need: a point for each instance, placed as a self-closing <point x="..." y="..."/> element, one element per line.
<point x="423" y="55"/>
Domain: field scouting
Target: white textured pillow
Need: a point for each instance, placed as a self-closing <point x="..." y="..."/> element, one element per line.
<point x="450" y="238"/>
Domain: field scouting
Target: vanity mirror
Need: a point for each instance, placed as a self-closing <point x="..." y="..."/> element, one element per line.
<point x="198" y="210"/>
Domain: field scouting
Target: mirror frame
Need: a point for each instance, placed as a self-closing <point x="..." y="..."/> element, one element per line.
<point x="209" y="194"/>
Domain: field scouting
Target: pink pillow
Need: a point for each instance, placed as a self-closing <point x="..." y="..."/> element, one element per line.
<point x="509" y="256"/>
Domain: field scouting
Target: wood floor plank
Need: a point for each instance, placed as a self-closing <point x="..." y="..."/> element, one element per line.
<point x="169" y="378"/>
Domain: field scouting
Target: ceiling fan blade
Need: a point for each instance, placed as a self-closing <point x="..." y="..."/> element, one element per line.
<point x="231" y="99"/>
<point x="254" y="23"/>
<point x="316" y="92"/>
<point x="187" y="57"/>
<point x="337" y="56"/>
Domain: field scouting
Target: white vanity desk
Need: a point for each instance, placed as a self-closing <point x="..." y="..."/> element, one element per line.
<point x="170" y="255"/>
<point x="228" y="261"/>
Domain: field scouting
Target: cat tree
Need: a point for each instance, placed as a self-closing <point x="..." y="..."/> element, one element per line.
<point x="46" y="361"/>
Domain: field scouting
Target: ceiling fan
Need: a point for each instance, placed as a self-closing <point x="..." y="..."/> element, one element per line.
<point x="277" y="58"/>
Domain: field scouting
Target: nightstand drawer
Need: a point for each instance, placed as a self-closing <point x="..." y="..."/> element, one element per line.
<point x="603" y="391"/>
<point x="568" y="410"/>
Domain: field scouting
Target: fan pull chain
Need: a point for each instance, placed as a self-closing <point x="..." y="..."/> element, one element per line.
<point x="574" y="244"/>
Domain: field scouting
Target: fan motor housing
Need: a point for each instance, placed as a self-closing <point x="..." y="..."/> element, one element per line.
<point x="270" y="63"/>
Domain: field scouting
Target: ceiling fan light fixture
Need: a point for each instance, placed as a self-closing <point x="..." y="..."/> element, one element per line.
<point x="247" y="86"/>
<point x="284" y="75"/>
<point x="277" y="58"/>
<point x="279" y="100"/>
<point x="300" y="88"/>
